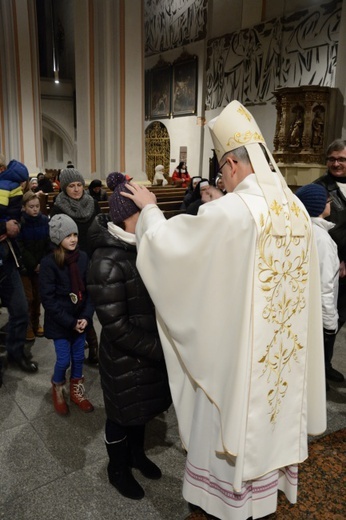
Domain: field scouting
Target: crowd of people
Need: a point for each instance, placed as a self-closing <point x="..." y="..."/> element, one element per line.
<point x="248" y="382"/>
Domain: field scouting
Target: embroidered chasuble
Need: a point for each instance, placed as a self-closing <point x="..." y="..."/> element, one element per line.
<point x="239" y="315"/>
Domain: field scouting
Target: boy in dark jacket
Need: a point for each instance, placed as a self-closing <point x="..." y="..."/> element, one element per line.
<point x="34" y="244"/>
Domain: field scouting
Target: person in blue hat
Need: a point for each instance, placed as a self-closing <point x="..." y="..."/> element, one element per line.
<point x="11" y="287"/>
<point x="318" y="204"/>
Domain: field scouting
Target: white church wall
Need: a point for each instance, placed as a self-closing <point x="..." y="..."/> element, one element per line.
<point x="248" y="60"/>
<point x="185" y="131"/>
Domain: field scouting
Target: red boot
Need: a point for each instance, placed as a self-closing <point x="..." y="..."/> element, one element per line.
<point x="77" y="395"/>
<point x="59" y="402"/>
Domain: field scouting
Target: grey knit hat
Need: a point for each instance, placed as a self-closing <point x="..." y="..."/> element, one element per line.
<point x="60" y="227"/>
<point x="69" y="175"/>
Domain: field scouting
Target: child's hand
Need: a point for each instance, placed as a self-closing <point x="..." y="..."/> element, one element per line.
<point x="81" y="325"/>
<point x="12" y="228"/>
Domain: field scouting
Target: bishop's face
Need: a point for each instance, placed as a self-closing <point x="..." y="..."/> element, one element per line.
<point x="227" y="170"/>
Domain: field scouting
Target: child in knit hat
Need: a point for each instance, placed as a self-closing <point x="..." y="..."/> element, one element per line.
<point x="33" y="242"/>
<point x="11" y="191"/>
<point x="317" y="202"/>
<point x="68" y="310"/>
<point x="132" y="367"/>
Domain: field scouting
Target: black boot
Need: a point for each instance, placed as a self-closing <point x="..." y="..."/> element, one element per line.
<point x="25" y="364"/>
<point x="331" y="373"/>
<point x="119" y="473"/>
<point x="138" y="458"/>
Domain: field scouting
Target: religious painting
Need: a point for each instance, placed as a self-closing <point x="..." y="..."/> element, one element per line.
<point x="160" y="92"/>
<point x="184" y="89"/>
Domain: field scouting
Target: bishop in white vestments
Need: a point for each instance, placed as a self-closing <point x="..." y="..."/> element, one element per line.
<point x="238" y="302"/>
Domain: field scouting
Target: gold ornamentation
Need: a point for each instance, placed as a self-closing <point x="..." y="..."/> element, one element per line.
<point x="276" y="207"/>
<point x="157" y="148"/>
<point x="283" y="280"/>
<point x="243" y="138"/>
<point x="245" y="113"/>
<point x="295" y="209"/>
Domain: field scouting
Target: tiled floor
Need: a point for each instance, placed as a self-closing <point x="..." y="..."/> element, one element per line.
<point x="54" y="468"/>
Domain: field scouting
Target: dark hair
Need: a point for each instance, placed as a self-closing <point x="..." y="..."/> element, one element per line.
<point x="96" y="183"/>
<point x="180" y="166"/>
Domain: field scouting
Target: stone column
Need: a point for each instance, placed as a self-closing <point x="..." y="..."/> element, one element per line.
<point x="20" y="109"/>
<point x="109" y="87"/>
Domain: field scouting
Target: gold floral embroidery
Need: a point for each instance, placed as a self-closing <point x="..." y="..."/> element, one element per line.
<point x="283" y="279"/>
<point x="243" y="138"/>
<point x="245" y="113"/>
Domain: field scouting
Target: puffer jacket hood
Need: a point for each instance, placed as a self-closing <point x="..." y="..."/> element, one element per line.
<point x="99" y="236"/>
<point x="15" y="172"/>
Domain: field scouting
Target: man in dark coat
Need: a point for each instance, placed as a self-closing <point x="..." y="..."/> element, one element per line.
<point x="334" y="180"/>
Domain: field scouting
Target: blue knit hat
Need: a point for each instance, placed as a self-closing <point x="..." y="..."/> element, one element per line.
<point x="314" y="197"/>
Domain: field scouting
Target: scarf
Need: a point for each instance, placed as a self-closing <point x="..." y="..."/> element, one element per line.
<point x="121" y="234"/>
<point x="77" y="285"/>
<point x="80" y="210"/>
<point x="341" y="180"/>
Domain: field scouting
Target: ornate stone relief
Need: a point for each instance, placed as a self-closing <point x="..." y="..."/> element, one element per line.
<point x="306" y="123"/>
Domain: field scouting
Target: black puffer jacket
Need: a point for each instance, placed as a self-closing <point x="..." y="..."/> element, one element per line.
<point x="132" y="368"/>
<point x="337" y="212"/>
<point x="338" y="206"/>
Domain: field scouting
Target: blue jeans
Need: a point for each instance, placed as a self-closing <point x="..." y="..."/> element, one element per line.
<point x="13" y="297"/>
<point x="69" y="353"/>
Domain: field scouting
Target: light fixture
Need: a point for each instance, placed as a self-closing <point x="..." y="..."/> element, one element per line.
<point x="54" y="46"/>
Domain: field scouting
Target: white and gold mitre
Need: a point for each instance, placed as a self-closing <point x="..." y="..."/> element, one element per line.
<point x="236" y="127"/>
<point x="233" y="128"/>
